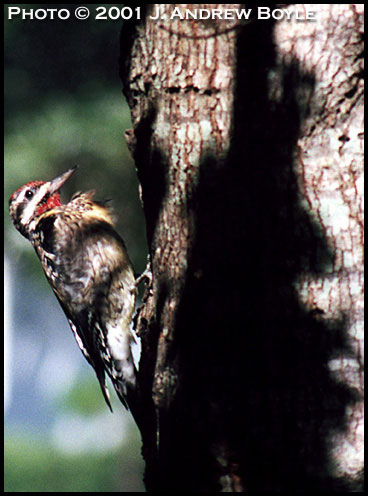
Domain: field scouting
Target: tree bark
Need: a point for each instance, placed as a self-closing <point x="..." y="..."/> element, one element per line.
<point x="247" y="142"/>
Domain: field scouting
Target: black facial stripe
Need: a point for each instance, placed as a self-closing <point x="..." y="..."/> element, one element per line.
<point x="19" y="210"/>
<point x="44" y="199"/>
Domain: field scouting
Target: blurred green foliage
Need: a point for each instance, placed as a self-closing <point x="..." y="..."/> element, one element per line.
<point x="84" y="397"/>
<point x="45" y="470"/>
<point x="39" y="474"/>
<point x="35" y="462"/>
<point x="64" y="106"/>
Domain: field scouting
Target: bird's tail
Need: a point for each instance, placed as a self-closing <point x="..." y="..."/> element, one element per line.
<point x="105" y="391"/>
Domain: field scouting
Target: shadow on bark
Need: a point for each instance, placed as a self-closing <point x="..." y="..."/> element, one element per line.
<point x="255" y="383"/>
<point x="256" y="402"/>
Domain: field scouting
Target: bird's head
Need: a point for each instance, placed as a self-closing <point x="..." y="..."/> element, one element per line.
<point x="30" y="201"/>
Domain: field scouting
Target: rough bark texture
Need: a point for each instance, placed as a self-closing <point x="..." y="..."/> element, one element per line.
<point x="247" y="141"/>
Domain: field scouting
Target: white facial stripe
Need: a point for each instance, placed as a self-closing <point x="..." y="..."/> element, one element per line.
<point x="31" y="207"/>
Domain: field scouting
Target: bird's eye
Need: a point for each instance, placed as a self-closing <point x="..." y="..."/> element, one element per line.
<point x="29" y="194"/>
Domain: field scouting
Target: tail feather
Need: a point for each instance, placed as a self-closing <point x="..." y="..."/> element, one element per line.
<point x="105" y="391"/>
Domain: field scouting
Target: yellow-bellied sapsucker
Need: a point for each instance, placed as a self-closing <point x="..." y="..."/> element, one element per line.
<point x="88" y="268"/>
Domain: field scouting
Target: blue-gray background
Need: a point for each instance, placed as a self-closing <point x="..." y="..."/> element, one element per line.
<point x="63" y="106"/>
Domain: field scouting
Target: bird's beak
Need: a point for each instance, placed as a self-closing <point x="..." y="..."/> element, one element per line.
<point x="57" y="183"/>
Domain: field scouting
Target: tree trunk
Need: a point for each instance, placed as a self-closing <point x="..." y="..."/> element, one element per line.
<point x="247" y="142"/>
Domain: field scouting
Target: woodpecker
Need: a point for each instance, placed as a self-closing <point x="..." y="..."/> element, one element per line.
<point x="88" y="267"/>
